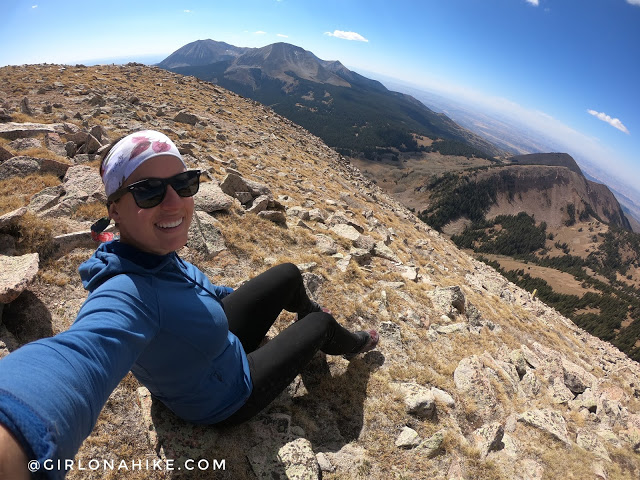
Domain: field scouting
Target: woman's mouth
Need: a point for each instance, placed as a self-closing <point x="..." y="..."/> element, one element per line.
<point x="171" y="224"/>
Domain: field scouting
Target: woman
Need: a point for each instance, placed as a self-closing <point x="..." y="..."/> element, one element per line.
<point x="194" y="345"/>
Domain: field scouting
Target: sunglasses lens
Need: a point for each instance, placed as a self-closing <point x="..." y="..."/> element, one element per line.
<point x="149" y="193"/>
<point x="186" y="184"/>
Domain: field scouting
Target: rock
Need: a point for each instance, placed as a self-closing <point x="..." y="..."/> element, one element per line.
<point x="257" y="189"/>
<point x="210" y="198"/>
<point x="346" y="231"/>
<point x="324" y="463"/>
<point x="326" y="245"/>
<point x="549" y="421"/>
<point x="409" y="273"/>
<point x="232" y="184"/>
<point x="383" y="251"/>
<point x="205" y="236"/>
<point x="449" y="300"/>
<point x="559" y="393"/>
<point x="408" y="438"/>
<point x="585" y="400"/>
<point x="54" y="143"/>
<point x="298" y="212"/>
<point x="25" y="143"/>
<point x="24" y="106"/>
<point x="592" y="443"/>
<point x="576" y="378"/>
<point x="17" y="273"/>
<point x="419" y="401"/>
<point x="5" y="154"/>
<point x="23" y="166"/>
<point x="488" y="438"/>
<point x="474" y="384"/>
<point x="274" y="216"/>
<point x="260" y="204"/>
<point x="293" y="460"/>
<point x="443" y="397"/>
<point x="530" y="385"/>
<point x="14" y="130"/>
<point x="432" y="446"/>
<point x="317" y="215"/>
<point x="184" y="117"/>
<point x="11" y="217"/>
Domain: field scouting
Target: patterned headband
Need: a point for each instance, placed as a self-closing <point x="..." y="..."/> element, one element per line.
<point x="131" y="152"/>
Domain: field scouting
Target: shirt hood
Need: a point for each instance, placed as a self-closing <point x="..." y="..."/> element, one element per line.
<point x="114" y="257"/>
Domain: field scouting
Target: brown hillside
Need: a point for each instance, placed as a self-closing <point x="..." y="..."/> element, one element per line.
<point x="474" y="378"/>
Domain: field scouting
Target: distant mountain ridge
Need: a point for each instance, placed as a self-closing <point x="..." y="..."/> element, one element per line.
<point x="348" y="111"/>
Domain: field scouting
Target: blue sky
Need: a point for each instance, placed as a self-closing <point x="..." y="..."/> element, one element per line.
<point x="569" y="68"/>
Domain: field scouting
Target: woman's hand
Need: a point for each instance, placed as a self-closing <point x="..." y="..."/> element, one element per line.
<point x="13" y="461"/>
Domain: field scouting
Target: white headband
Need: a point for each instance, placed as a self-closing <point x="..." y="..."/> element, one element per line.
<point x="131" y="152"/>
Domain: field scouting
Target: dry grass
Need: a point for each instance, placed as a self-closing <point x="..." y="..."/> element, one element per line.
<point x="33" y="234"/>
<point x="90" y="211"/>
<point x="16" y="192"/>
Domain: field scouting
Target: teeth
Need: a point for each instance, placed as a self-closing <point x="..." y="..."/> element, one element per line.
<point x="170" y="224"/>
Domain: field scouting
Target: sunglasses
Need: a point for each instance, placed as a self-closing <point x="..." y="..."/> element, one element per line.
<point x="150" y="192"/>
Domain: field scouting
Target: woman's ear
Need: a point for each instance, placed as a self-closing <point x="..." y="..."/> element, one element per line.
<point x="114" y="213"/>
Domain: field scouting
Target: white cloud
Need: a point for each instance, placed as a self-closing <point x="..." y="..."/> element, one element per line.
<point x="535" y="3"/>
<point x="34" y="6"/>
<point x="614" y="122"/>
<point x="282" y="35"/>
<point x="187" y="11"/>
<point x="259" y="32"/>
<point x="347" y="35"/>
<point x="634" y="2"/>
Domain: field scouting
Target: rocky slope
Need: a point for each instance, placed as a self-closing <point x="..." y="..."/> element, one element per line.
<point x="474" y="379"/>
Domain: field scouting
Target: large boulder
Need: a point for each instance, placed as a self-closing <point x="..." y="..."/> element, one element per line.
<point x="17" y="273"/>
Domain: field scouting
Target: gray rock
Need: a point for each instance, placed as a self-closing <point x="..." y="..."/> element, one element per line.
<point x="244" y="197"/>
<point x="232" y="184"/>
<point x="11" y="217"/>
<point x="547" y="420"/>
<point x="419" y="401"/>
<point x="210" y="198"/>
<point x="17" y="273"/>
<point x="293" y="460"/>
<point x="346" y="231"/>
<point x="488" y="438"/>
<point x="432" y="446"/>
<point x="326" y="245"/>
<point x="448" y="300"/>
<point x="205" y="236"/>
<point x="5" y="154"/>
<point x="260" y="204"/>
<point x="274" y="216"/>
<point x="317" y="215"/>
<point x="24" y="106"/>
<point x="12" y="130"/>
<point x="25" y="143"/>
<point x="184" y="117"/>
<point x="473" y="382"/>
<point x="408" y="438"/>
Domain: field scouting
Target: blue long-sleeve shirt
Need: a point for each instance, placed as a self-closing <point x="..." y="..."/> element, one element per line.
<point x="159" y="317"/>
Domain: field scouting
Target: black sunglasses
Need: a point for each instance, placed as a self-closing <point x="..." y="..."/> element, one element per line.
<point x="150" y="192"/>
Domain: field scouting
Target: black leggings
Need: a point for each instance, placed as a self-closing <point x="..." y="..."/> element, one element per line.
<point x="253" y="308"/>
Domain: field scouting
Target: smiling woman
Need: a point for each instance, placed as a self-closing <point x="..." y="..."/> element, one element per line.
<point x="144" y="301"/>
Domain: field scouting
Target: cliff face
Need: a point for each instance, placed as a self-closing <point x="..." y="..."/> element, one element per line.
<point x="545" y="192"/>
<point x="474" y="377"/>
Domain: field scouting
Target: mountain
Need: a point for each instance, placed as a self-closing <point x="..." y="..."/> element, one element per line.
<point x="475" y="377"/>
<point x="348" y="111"/>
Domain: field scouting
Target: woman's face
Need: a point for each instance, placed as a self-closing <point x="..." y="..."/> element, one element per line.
<point x="163" y="228"/>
